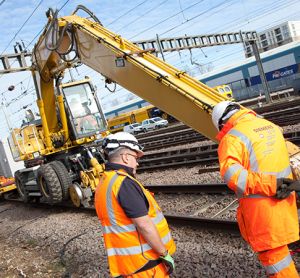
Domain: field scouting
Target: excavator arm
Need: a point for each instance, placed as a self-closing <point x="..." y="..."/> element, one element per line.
<point x="64" y="147"/>
<point x="122" y="62"/>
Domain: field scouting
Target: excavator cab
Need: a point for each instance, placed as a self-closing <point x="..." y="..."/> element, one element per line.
<point x="85" y="114"/>
<point x="224" y="90"/>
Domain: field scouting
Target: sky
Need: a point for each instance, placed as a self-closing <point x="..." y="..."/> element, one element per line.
<point x="22" y="21"/>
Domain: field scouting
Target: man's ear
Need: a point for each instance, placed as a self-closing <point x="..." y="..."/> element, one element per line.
<point x="124" y="158"/>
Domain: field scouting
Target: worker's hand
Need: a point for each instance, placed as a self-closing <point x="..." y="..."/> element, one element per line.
<point x="284" y="187"/>
<point x="168" y="261"/>
<point x="295" y="186"/>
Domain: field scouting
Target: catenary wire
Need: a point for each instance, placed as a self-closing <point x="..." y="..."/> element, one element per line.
<point x="166" y="19"/>
<point x="64" y="4"/>
<point x="196" y="16"/>
<point x="37" y="6"/>
<point x="142" y="15"/>
<point x="233" y="23"/>
<point x="26" y="48"/>
<point x="127" y="12"/>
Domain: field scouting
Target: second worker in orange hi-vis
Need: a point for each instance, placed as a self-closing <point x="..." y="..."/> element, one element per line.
<point x="136" y="235"/>
<point x="254" y="163"/>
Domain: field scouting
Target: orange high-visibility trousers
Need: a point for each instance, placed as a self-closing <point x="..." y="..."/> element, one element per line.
<point x="159" y="271"/>
<point x="278" y="263"/>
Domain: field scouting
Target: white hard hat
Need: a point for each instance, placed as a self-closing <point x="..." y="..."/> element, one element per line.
<point x="220" y="111"/>
<point x="121" y="140"/>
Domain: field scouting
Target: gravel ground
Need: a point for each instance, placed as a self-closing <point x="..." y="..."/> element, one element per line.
<point x="185" y="146"/>
<point x="218" y="206"/>
<point x="184" y="175"/>
<point x="289" y="128"/>
<point x="53" y="242"/>
<point x="201" y="205"/>
<point x="38" y="242"/>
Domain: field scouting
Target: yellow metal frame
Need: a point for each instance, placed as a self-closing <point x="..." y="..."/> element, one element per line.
<point x="147" y="76"/>
<point x="7" y="188"/>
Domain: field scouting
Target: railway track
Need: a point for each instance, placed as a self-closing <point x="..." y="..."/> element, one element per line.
<point x="191" y="218"/>
<point x="205" y="223"/>
<point x="187" y="219"/>
<point x="190" y="188"/>
<point x="285" y="113"/>
<point x="203" y="155"/>
<point x="187" y="136"/>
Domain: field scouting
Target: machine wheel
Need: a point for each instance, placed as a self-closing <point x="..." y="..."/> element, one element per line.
<point x="49" y="184"/>
<point x="76" y="194"/>
<point x="20" y="187"/>
<point x="63" y="176"/>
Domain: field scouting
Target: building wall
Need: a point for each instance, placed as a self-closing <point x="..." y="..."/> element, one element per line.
<point x="282" y="69"/>
<point x="276" y="36"/>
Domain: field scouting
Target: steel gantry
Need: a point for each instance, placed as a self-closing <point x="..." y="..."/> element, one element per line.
<point x="161" y="45"/>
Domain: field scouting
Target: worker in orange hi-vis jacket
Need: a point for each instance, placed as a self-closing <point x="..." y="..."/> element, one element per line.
<point x="136" y="235"/>
<point x="254" y="163"/>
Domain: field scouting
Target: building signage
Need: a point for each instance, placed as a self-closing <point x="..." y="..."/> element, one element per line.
<point x="276" y="74"/>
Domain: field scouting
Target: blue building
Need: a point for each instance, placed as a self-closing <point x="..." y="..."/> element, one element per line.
<point x="281" y="66"/>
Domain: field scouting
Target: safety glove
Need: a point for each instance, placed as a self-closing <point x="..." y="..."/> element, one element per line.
<point x="168" y="261"/>
<point x="295" y="186"/>
<point x="285" y="187"/>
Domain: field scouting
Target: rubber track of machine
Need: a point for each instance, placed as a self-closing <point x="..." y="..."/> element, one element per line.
<point x="63" y="176"/>
<point x="49" y="176"/>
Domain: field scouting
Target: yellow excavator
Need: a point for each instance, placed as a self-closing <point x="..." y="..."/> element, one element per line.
<point x="62" y="160"/>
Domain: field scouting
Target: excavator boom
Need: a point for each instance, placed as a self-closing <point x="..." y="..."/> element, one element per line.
<point x="138" y="71"/>
<point x="62" y="145"/>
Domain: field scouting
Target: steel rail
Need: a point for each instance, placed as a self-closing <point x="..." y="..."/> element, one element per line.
<point x="282" y="113"/>
<point x="197" y="222"/>
<point x="203" y="223"/>
<point x="203" y="155"/>
<point x="187" y="136"/>
<point x="189" y="188"/>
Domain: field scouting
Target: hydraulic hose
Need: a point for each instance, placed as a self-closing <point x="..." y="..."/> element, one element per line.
<point x="90" y="13"/>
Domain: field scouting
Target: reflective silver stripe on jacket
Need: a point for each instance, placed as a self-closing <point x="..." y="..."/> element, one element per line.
<point x="275" y="268"/>
<point x="114" y="227"/>
<point x="131" y="227"/>
<point x="134" y="250"/>
<point x="159" y="217"/>
<point x="241" y="184"/>
<point x="248" y="144"/>
<point x="231" y="171"/>
<point x="242" y="178"/>
<point x="119" y="229"/>
<point x="256" y="196"/>
<point x="282" y="174"/>
<point x="110" y="209"/>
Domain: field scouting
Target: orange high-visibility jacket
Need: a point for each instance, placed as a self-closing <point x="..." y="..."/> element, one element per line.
<point x="252" y="155"/>
<point x="127" y="250"/>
